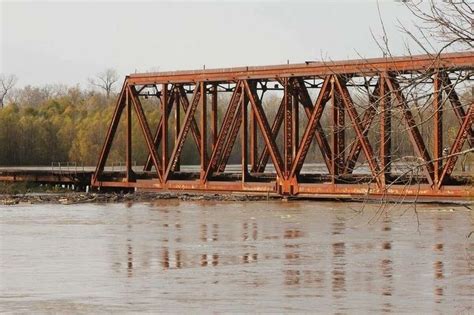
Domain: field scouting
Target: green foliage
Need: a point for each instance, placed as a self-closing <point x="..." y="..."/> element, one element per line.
<point x="55" y="124"/>
<point x="42" y="126"/>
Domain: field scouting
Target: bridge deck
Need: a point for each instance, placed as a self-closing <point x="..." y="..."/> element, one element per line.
<point x="310" y="186"/>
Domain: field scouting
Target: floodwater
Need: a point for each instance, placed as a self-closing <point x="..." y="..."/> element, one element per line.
<point x="176" y="256"/>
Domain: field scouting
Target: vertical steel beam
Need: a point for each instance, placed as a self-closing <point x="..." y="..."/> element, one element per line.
<point x="244" y="137"/>
<point x="437" y="128"/>
<point x="214" y="114"/>
<point x="203" y="152"/>
<point x="128" y="135"/>
<point x="340" y="133"/>
<point x="287" y="128"/>
<point x="295" y="126"/>
<point x="164" y="127"/>
<point x="253" y="141"/>
<point x="335" y="154"/>
<point x="336" y="132"/>
<point x="385" y="129"/>
<point x="177" y="122"/>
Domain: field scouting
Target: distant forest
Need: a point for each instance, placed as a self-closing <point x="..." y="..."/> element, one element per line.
<point x="41" y="125"/>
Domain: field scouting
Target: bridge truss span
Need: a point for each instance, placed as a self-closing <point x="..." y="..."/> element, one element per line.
<point x="392" y="127"/>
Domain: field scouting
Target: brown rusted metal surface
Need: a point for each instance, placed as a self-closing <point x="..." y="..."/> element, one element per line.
<point x="188" y="120"/>
<point x="272" y="160"/>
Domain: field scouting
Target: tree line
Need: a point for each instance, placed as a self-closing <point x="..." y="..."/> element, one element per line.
<point x="41" y="125"/>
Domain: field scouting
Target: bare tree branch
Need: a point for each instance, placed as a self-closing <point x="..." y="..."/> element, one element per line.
<point x="7" y="82"/>
<point x="105" y="81"/>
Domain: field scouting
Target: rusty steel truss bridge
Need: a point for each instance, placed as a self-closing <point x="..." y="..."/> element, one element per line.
<point x="273" y="150"/>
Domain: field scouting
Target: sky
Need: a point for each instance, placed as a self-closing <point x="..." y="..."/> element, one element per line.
<point x="67" y="42"/>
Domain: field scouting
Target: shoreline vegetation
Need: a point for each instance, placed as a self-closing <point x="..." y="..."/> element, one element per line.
<point x="70" y="198"/>
<point x="31" y="193"/>
<point x="41" y="125"/>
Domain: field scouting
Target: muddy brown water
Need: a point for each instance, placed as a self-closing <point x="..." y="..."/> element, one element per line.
<point x="176" y="256"/>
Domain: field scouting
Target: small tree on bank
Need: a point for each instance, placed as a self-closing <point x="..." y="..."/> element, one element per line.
<point x="7" y="82"/>
<point x="105" y="81"/>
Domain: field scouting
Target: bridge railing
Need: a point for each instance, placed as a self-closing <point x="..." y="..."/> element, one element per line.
<point x="120" y="166"/>
<point x="60" y="167"/>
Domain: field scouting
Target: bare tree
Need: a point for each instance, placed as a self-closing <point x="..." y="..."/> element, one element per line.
<point x="105" y="80"/>
<point x="439" y="26"/>
<point x="7" y="82"/>
<point x="449" y="22"/>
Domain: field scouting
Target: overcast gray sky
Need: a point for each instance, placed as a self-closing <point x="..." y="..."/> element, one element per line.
<point x="67" y="42"/>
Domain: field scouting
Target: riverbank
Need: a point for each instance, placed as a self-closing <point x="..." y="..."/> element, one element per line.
<point x="81" y="197"/>
<point x="70" y="198"/>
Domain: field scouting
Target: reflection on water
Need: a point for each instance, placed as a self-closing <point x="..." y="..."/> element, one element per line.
<point x="129" y="259"/>
<point x="338" y="271"/>
<point x="257" y="256"/>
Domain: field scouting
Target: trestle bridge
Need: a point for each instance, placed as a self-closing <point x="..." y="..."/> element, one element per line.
<point x="365" y="105"/>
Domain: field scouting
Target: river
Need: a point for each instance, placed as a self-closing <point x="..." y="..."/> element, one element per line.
<point x="174" y="256"/>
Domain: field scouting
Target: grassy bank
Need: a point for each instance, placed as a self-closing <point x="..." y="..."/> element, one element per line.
<point x="9" y="188"/>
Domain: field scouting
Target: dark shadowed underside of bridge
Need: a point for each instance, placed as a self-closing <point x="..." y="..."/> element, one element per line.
<point x="272" y="164"/>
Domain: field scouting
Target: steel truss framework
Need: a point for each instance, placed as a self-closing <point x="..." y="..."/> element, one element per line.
<point x="190" y="92"/>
